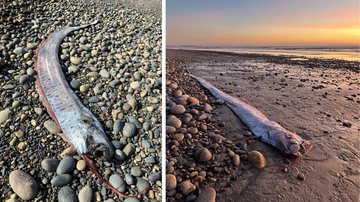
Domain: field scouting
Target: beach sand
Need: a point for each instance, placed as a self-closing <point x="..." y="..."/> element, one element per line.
<point x="318" y="99"/>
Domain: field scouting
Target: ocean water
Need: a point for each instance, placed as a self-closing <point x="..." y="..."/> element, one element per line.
<point x="344" y="53"/>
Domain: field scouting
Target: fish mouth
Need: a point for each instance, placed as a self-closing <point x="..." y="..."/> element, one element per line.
<point x="99" y="148"/>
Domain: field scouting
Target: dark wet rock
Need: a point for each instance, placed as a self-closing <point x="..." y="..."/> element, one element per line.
<point x="61" y="180"/>
<point x="203" y="155"/>
<point x="142" y="184"/>
<point x="173" y="121"/>
<point x="67" y="194"/>
<point x="129" y="130"/>
<point x="186" y="187"/>
<point x="66" y="165"/>
<point x="50" y="164"/>
<point x="207" y="195"/>
<point x="171" y="182"/>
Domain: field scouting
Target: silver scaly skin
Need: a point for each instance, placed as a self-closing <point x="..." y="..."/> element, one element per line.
<point x="270" y="132"/>
<point x="79" y="126"/>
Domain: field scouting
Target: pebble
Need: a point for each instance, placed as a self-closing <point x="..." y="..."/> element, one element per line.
<point x="61" y="180"/>
<point x="178" y="137"/>
<point x="347" y="124"/>
<point x="92" y="74"/>
<point x="23" y="184"/>
<point x="85" y="194"/>
<point x="84" y="88"/>
<point x="18" y="50"/>
<point x="31" y="45"/>
<point x="118" y="126"/>
<point x="50" y="164"/>
<point x="204" y="155"/>
<point x="129" y="179"/>
<point x="146" y="144"/>
<point x="66" y="165"/>
<point x="81" y="165"/>
<point x="120" y="155"/>
<point x="236" y="160"/>
<point x="131" y="200"/>
<point x="8" y="87"/>
<point x="94" y="99"/>
<point x="207" y="108"/>
<point x="257" y="159"/>
<point x="186" y="187"/>
<point x="94" y="52"/>
<point x="23" y="79"/>
<point x="177" y="109"/>
<point x="207" y="195"/>
<point x="45" y="181"/>
<point x="137" y="76"/>
<point x="300" y="176"/>
<point x="142" y="184"/>
<point x="146" y="126"/>
<point x="117" y="182"/>
<point x="114" y="82"/>
<point x="16" y="104"/>
<point x="170" y="129"/>
<point x="193" y="101"/>
<point x="73" y="69"/>
<point x="75" y="84"/>
<point x="69" y="151"/>
<point x="11" y="200"/>
<point x="150" y="160"/>
<point x="38" y="110"/>
<point x="104" y="73"/>
<point x="154" y="177"/>
<point x="22" y="146"/>
<point x="173" y="121"/>
<point x="129" y="130"/>
<point x="19" y="133"/>
<point x="153" y="100"/>
<point x="52" y="127"/>
<point x="83" y="40"/>
<point x="75" y="60"/>
<point x="171" y="182"/>
<point x="136" y="171"/>
<point x="4" y="115"/>
<point x="135" y="85"/>
<point x="27" y="55"/>
<point x="129" y="149"/>
<point x="67" y="194"/>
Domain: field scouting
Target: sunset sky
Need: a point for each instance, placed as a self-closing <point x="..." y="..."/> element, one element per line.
<point x="263" y="22"/>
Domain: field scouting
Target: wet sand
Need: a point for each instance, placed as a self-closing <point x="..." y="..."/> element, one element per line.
<point x="318" y="99"/>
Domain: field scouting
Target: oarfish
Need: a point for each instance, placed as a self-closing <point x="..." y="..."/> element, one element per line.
<point x="79" y="126"/>
<point x="268" y="131"/>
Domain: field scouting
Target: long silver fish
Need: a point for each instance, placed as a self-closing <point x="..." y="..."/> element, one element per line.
<point x="79" y="126"/>
<point x="270" y="132"/>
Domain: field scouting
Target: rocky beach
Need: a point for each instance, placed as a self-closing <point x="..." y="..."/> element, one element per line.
<point x="212" y="155"/>
<point x="114" y="68"/>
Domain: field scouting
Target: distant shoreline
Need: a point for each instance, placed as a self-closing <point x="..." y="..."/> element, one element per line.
<point x="310" y="62"/>
<point x="340" y="53"/>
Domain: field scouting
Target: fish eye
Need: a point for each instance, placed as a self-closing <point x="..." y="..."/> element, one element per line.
<point x="86" y="122"/>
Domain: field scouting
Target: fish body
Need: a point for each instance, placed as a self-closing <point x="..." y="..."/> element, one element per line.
<point x="268" y="131"/>
<point x="79" y="126"/>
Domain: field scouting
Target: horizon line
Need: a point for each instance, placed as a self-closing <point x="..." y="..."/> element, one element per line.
<point x="226" y="45"/>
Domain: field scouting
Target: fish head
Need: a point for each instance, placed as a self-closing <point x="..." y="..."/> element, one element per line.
<point x="288" y="142"/>
<point x="294" y="144"/>
<point x="94" y="140"/>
